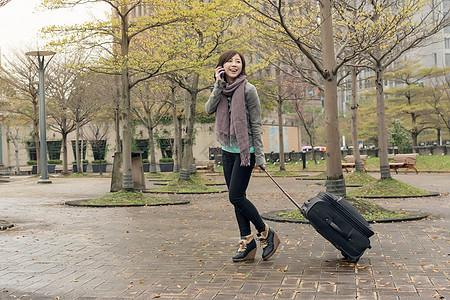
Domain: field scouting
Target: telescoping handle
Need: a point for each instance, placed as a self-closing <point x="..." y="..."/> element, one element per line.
<point x="284" y="192"/>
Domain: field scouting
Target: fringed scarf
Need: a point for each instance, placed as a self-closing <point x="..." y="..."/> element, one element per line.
<point x="236" y="125"/>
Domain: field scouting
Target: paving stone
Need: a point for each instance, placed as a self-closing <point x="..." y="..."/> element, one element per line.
<point x="184" y="252"/>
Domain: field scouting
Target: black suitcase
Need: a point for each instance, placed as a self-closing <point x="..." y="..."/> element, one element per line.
<point x="337" y="221"/>
<point x="340" y="223"/>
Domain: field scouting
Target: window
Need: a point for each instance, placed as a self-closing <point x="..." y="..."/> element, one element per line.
<point x="447" y="43"/>
<point x="447" y="59"/>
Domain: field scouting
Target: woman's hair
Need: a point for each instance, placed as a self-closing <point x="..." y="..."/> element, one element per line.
<point x="229" y="54"/>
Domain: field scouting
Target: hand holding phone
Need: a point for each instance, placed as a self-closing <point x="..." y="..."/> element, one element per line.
<point x="219" y="73"/>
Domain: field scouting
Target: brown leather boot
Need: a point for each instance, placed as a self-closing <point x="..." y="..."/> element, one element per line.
<point x="269" y="242"/>
<point x="247" y="249"/>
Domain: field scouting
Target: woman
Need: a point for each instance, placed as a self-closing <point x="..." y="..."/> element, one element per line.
<point x="238" y="128"/>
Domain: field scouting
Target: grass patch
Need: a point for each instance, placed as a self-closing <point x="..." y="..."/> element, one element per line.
<point x="433" y="163"/>
<point x="154" y="175"/>
<point x="424" y="163"/>
<point x="369" y="210"/>
<point x="389" y="187"/>
<point x="195" y="184"/>
<point x="359" y="178"/>
<point x="125" y="198"/>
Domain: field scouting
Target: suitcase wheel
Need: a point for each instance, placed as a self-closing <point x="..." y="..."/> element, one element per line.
<point x="350" y="259"/>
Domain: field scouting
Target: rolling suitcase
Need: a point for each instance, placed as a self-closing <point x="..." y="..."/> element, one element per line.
<point x="337" y="221"/>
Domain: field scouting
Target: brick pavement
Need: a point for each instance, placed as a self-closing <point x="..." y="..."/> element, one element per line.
<point x="184" y="252"/>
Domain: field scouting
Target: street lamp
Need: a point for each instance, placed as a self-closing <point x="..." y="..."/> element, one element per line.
<point x="41" y="66"/>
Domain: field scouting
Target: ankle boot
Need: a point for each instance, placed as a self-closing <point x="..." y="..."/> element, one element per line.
<point x="269" y="242"/>
<point x="247" y="249"/>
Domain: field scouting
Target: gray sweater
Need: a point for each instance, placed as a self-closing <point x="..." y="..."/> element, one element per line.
<point x="253" y="109"/>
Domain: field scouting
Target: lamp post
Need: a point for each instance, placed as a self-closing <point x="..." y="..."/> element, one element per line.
<point x="41" y="66"/>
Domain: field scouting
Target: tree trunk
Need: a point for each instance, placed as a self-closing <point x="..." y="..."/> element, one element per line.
<point x="117" y="115"/>
<point x="381" y="114"/>
<point x="65" y="170"/>
<point x="335" y="179"/>
<point x="127" y="179"/>
<point x="16" y="150"/>
<point x="77" y="148"/>
<point x="355" y="139"/>
<point x="151" y="140"/>
<point x="280" y="123"/>
<point x="176" y="134"/>
<point x="64" y="134"/>
<point x="280" y="131"/>
<point x="188" y="158"/>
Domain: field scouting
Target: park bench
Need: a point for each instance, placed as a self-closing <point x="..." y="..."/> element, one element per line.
<point x="208" y="167"/>
<point x="59" y="168"/>
<point x="349" y="162"/>
<point x="404" y="161"/>
<point x="26" y="169"/>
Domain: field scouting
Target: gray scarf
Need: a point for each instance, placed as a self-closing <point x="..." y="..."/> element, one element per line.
<point x="236" y="125"/>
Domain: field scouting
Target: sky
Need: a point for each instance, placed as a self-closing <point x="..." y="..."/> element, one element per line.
<point x="21" y="20"/>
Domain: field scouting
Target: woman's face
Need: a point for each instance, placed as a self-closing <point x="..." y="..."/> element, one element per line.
<point x="233" y="67"/>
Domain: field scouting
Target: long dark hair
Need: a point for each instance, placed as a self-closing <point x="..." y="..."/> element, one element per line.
<point x="229" y="54"/>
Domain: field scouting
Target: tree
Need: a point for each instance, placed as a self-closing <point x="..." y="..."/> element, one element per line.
<point x="400" y="136"/>
<point x="438" y="99"/>
<point x="199" y="42"/>
<point x="297" y="26"/>
<point x="20" y="76"/>
<point x="405" y="102"/>
<point x="150" y="109"/>
<point x="64" y="90"/>
<point x="92" y="95"/>
<point x="397" y="33"/>
<point x="117" y="54"/>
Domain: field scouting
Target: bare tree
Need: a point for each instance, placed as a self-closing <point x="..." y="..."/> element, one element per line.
<point x="296" y="29"/>
<point x="396" y="35"/>
<point x="114" y="40"/>
<point x="152" y="107"/>
<point x="21" y="77"/>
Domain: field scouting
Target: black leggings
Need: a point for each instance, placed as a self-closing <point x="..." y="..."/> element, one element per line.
<point x="237" y="178"/>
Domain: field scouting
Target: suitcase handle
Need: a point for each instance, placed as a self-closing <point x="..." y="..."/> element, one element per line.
<point x="284" y="192"/>
<point x="338" y="229"/>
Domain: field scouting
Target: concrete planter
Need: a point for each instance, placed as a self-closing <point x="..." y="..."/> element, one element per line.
<point x="166" y="167"/>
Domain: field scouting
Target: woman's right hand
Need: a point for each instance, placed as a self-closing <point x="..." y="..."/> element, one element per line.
<point x="218" y="72"/>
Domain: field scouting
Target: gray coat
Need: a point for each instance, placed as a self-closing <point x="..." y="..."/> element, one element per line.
<point x="253" y="109"/>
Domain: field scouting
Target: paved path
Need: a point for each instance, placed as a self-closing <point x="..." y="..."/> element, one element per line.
<point x="184" y="252"/>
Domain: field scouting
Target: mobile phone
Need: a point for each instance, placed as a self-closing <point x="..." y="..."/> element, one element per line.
<point x="222" y="75"/>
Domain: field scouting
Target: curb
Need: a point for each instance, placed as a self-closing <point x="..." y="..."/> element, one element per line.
<point x="164" y="183"/>
<point x="306" y="178"/>
<point x="273" y="216"/>
<point x="182" y="193"/>
<point x="79" y="203"/>
<point x="403" y="197"/>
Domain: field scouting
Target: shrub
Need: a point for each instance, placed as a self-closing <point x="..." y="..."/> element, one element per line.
<point x="166" y="160"/>
<point x="54" y="161"/>
<point x="97" y="161"/>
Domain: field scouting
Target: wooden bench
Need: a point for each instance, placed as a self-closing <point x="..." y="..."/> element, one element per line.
<point x="209" y="167"/>
<point x="59" y="168"/>
<point x="349" y="162"/>
<point x="404" y="161"/>
<point x="26" y="169"/>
